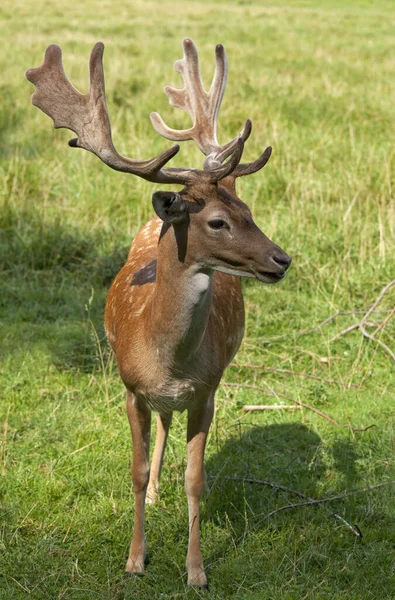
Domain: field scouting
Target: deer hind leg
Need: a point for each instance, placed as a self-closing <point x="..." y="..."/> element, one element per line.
<point x="162" y="432"/>
<point x="199" y="420"/>
<point x="140" y="425"/>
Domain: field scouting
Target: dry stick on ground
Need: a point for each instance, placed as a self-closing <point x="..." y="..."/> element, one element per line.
<point x="252" y="407"/>
<point x="384" y="323"/>
<point x="309" y="501"/>
<point x="293" y="400"/>
<point x="338" y="313"/>
<point x="363" y="322"/>
<point x="289" y="372"/>
<point x="279" y="395"/>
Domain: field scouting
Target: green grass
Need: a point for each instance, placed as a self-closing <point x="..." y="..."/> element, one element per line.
<point x="317" y="79"/>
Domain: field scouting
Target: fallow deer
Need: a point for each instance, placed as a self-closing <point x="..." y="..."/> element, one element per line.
<point x="174" y="315"/>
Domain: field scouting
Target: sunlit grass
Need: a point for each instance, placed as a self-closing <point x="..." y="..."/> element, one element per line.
<point x="317" y="79"/>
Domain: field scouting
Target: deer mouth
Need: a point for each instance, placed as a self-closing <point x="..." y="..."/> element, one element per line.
<point x="269" y="276"/>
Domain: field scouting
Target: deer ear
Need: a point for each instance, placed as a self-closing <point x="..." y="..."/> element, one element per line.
<point x="170" y="207"/>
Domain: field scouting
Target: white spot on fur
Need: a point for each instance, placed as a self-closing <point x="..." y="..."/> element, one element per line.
<point x="110" y="336"/>
<point x="140" y="310"/>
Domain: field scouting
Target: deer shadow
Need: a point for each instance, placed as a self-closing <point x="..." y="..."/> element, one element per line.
<point x="286" y="454"/>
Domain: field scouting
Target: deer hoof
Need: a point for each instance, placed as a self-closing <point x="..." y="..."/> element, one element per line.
<point x="197" y="578"/>
<point x="134" y="567"/>
<point x="152" y="496"/>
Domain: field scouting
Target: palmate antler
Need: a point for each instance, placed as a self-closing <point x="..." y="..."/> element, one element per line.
<point x="203" y="107"/>
<point x="86" y="115"/>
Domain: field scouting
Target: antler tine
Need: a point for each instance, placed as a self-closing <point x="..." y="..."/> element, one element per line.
<point x="222" y="171"/>
<point x="253" y="167"/>
<point x="87" y="115"/>
<point x="202" y="106"/>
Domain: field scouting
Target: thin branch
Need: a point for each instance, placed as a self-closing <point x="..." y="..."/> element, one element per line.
<point x="344" y="331"/>
<point x="278" y="395"/>
<point x="374" y="339"/>
<point x="308" y="501"/>
<point x="338" y="313"/>
<point x="289" y="372"/>
<point x="384" y="323"/>
<point x="266" y="482"/>
<point x="355" y="530"/>
<point x="311" y="501"/>
<point x="379" y="298"/>
<point x="294" y="401"/>
<point x="252" y="407"/>
<point x="363" y="323"/>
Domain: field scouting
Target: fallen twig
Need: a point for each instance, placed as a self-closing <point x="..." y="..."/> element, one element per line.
<point x="354" y="528"/>
<point x="312" y="501"/>
<point x="384" y="323"/>
<point x="308" y="501"/>
<point x="343" y="331"/>
<point x="338" y="313"/>
<point x="362" y="324"/>
<point x="294" y="401"/>
<point x="290" y="372"/>
<point x="279" y="395"/>
<point x="266" y="482"/>
<point x="252" y="407"/>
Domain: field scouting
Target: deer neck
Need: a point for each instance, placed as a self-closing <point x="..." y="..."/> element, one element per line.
<point x="181" y="302"/>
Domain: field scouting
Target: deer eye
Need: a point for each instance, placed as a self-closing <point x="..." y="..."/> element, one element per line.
<point x="216" y="224"/>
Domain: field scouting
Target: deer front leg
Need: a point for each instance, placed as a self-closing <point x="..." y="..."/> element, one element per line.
<point x="162" y="432"/>
<point x="199" y="420"/>
<point x="140" y="425"/>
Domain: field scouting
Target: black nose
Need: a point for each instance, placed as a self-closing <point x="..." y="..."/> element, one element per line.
<point x="282" y="259"/>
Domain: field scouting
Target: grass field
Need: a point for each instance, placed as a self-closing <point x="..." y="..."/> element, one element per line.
<point x="318" y="80"/>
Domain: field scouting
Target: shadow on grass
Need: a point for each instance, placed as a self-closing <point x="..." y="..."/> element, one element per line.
<point x="241" y="545"/>
<point x="54" y="284"/>
<point x="287" y="454"/>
